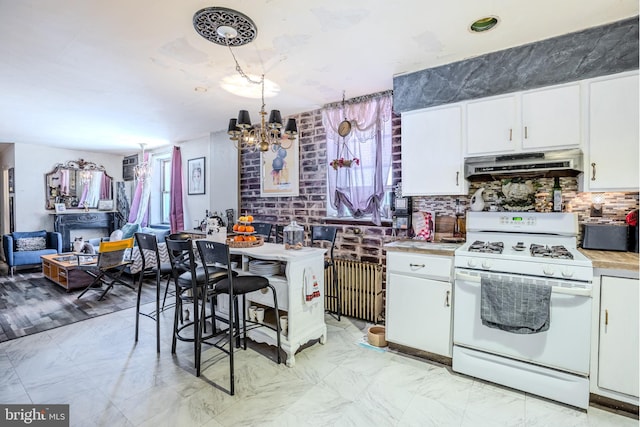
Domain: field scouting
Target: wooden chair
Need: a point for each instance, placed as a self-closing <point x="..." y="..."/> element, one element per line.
<point x="109" y="265"/>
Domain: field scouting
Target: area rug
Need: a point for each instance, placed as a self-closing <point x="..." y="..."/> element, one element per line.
<point x="31" y="303"/>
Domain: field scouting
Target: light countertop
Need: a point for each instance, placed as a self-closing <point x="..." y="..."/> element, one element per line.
<point x="612" y="259"/>
<point x="420" y="246"/>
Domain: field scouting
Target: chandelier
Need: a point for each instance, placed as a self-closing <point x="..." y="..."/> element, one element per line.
<point x="142" y="170"/>
<point x="85" y="176"/>
<point x="229" y="27"/>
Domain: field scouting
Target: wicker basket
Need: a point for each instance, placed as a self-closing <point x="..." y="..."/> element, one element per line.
<point x="233" y="244"/>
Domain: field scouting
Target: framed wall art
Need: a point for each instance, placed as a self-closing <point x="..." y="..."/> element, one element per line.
<point x="196" y="170"/>
<point x="279" y="171"/>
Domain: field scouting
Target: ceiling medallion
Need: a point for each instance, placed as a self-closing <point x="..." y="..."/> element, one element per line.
<point x="217" y="23"/>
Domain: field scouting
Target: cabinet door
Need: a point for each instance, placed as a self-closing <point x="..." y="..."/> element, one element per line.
<point x="419" y="313"/>
<point x="551" y="118"/>
<point x="613" y="135"/>
<point x="491" y="125"/>
<point x="432" y="152"/>
<point x="618" y="346"/>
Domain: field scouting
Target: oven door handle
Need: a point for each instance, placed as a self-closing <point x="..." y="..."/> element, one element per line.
<point x="555" y="289"/>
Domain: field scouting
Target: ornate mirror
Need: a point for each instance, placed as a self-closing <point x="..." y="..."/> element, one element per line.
<point x="78" y="185"/>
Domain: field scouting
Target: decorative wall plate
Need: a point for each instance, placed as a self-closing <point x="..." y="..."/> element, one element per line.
<point x="344" y="128"/>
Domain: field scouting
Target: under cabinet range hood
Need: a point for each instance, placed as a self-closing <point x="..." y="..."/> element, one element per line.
<point x="526" y="165"/>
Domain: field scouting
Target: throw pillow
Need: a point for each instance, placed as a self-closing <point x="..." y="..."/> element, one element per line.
<point x="22" y="234"/>
<point x="128" y="230"/>
<point x="116" y="235"/>
<point x="31" y="244"/>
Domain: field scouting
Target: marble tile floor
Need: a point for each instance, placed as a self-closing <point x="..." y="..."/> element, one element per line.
<point x="108" y="380"/>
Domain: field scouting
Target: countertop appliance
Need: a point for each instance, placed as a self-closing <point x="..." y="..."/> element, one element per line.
<point x="606" y="237"/>
<point x="526" y="248"/>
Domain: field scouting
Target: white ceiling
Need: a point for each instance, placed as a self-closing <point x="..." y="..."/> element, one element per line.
<point x="109" y="74"/>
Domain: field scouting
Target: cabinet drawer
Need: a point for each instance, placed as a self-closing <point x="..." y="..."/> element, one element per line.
<point x="422" y="265"/>
<point x="265" y="297"/>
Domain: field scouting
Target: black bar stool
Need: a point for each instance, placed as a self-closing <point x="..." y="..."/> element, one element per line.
<point x="151" y="264"/>
<point x="323" y="233"/>
<point x="215" y="257"/>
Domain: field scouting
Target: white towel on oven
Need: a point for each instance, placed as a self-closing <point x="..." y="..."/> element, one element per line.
<point x="515" y="306"/>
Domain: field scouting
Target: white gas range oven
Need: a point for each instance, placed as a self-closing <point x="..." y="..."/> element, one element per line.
<point x="537" y="253"/>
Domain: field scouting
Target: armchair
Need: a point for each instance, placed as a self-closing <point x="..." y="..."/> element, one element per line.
<point x="25" y="247"/>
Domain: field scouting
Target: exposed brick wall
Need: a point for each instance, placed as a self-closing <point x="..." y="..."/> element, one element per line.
<point x="309" y="208"/>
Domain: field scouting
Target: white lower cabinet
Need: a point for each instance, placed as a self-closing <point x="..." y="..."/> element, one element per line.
<point x="618" y="344"/>
<point x="419" y="301"/>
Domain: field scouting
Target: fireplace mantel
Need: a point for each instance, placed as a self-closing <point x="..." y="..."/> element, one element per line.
<point x="65" y="222"/>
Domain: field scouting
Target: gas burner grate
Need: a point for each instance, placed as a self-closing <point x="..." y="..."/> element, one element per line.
<point x="486" y="247"/>
<point x="550" y="252"/>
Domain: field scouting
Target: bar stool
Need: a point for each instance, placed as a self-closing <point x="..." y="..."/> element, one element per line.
<point x="150" y="256"/>
<point x="323" y="233"/>
<point x="192" y="286"/>
<point x="263" y="229"/>
<point x="216" y="261"/>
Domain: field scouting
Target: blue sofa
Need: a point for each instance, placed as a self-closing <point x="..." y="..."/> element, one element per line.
<point x="26" y="247"/>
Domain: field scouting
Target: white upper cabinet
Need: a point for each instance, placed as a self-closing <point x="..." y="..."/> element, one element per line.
<point x="432" y="161"/>
<point x="612" y="159"/>
<point x="491" y="125"/>
<point x="540" y="119"/>
<point x="551" y="118"/>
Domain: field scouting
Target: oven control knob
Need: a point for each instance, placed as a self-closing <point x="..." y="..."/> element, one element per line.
<point x="471" y="263"/>
<point x="548" y="270"/>
<point x="567" y="273"/>
<point x="486" y="264"/>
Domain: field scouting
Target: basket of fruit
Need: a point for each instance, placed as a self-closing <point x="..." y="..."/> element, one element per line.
<point x="241" y="241"/>
<point x="244" y="234"/>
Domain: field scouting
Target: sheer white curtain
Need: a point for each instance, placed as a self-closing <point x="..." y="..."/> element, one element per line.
<point x="358" y="190"/>
<point x="139" y="213"/>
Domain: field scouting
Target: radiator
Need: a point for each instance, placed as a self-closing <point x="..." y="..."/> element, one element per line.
<point x="360" y="285"/>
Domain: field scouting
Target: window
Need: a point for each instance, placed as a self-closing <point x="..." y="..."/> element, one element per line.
<point x="165" y="188"/>
<point x="359" y="173"/>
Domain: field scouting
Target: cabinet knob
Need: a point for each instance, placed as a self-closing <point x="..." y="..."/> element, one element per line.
<point x="593" y="171"/>
<point x="446" y="299"/>
<point x="457" y="178"/>
<point x="526" y="133"/>
<point x="416" y="265"/>
<point x="606" y="317"/>
<point x="510" y="134"/>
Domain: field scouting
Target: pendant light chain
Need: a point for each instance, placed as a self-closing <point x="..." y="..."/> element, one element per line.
<point x="241" y="72"/>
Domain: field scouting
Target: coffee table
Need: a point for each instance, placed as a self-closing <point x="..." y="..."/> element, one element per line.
<point x="63" y="270"/>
